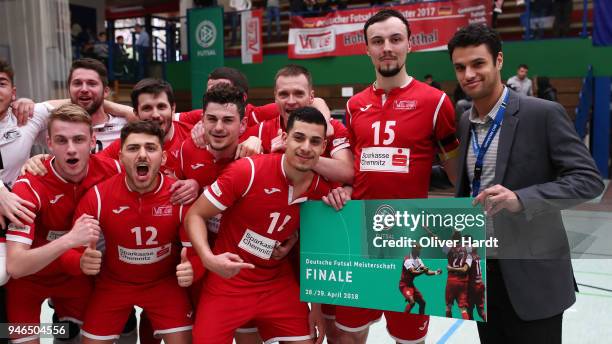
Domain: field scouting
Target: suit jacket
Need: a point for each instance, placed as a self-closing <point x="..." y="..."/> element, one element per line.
<point x="542" y="160"/>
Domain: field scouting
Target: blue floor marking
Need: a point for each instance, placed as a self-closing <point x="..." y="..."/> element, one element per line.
<point x="450" y="332"/>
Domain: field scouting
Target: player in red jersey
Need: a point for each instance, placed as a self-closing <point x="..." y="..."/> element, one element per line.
<point x="476" y="289"/>
<point x="413" y="266"/>
<point x="140" y="226"/>
<point x="37" y="259"/>
<point x="293" y="90"/>
<point x="459" y="262"/>
<point x="153" y="100"/>
<point x="227" y="75"/>
<point x="397" y="125"/>
<point x="260" y="197"/>
<point x="223" y="122"/>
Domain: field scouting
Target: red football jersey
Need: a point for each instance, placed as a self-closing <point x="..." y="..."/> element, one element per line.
<point x="199" y="164"/>
<point x="475" y="270"/>
<point x="260" y="211"/>
<point x="410" y="262"/>
<point x="268" y="130"/>
<point x="395" y="136"/>
<point x="254" y="114"/>
<point x="55" y="200"/>
<point x="457" y="258"/>
<point x="180" y="132"/>
<point x="141" y="231"/>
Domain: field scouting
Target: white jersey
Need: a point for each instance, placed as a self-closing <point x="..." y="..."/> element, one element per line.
<point x="108" y="132"/>
<point x="16" y="142"/>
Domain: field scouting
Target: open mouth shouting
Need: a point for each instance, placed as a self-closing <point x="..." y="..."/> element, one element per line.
<point x="142" y="171"/>
<point x="72" y="162"/>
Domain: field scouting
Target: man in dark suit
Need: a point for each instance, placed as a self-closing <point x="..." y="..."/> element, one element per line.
<point x="521" y="159"/>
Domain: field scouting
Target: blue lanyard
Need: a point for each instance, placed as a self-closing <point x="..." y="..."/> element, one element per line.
<point x="479" y="150"/>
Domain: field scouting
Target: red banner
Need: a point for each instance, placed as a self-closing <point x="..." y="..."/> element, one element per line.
<point x="252" y="47"/>
<point x="340" y="33"/>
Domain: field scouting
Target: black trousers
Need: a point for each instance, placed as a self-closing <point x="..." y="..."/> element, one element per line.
<point x="504" y="325"/>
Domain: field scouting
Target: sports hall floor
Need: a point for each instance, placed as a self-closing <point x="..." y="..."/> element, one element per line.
<point x="587" y="321"/>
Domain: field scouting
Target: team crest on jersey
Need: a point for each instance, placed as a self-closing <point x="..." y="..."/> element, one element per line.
<point x="164" y="210"/>
<point x="175" y="153"/>
<point x="22" y="229"/>
<point x="405" y="104"/>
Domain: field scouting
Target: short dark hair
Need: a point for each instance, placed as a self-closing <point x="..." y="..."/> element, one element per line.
<point x="120" y="36"/>
<point x="6" y="68"/>
<point x="91" y="64"/>
<point x="307" y="114"/>
<point x="232" y="74"/>
<point x="293" y="70"/>
<point x="225" y="94"/>
<point x="383" y="15"/>
<point x="474" y="35"/>
<point x="142" y="127"/>
<point x="427" y="76"/>
<point x="522" y="65"/>
<point x="154" y="87"/>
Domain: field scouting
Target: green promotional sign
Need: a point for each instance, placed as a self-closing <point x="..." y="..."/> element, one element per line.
<point x="397" y="255"/>
<point x="205" y="48"/>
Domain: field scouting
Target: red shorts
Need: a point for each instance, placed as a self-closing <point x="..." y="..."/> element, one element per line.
<point x="329" y="311"/>
<point x="408" y="291"/>
<point x="456" y="290"/>
<point x="167" y="306"/>
<point x="404" y="328"/>
<point x="476" y="294"/>
<point x="278" y="314"/>
<point x="24" y="299"/>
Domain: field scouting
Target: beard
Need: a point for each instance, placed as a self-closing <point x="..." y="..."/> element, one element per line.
<point x="392" y="71"/>
<point x="96" y="103"/>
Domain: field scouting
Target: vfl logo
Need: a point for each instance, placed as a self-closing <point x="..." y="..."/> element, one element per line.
<point x="196" y="166"/>
<point x="120" y="209"/>
<point x="165" y="210"/>
<point x="271" y="191"/>
<point x="365" y="108"/>
<point x="57" y="198"/>
<point x="175" y="153"/>
<point x="316" y="41"/>
<point x="405" y="104"/>
<point x="252" y="36"/>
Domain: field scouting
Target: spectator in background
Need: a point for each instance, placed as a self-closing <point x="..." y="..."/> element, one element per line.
<point x="539" y="10"/>
<point x="313" y="8"/>
<point x="562" y="10"/>
<point x="143" y="48"/>
<point x="120" y="58"/>
<point x="497" y="10"/>
<point x="545" y="90"/>
<point x="430" y="81"/>
<point x="520" y="82"/>
<point x="273" y="11"/>
<point x="296" y="7"/>
<point x="101" y="48"/>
